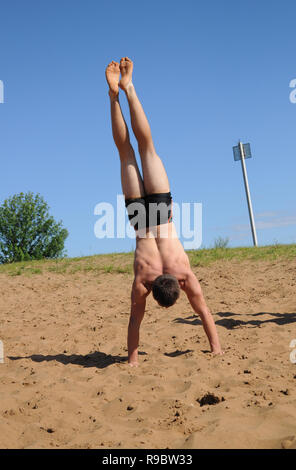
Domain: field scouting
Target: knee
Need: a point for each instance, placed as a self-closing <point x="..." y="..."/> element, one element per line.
<point x="126" y="152"/>
<point x="147" y="150"/>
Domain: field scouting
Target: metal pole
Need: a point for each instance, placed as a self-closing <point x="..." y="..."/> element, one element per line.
<point x="248" y="193"/>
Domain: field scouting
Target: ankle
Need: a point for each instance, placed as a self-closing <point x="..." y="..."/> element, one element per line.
<point x="113" y="95"/>
<point x="129" y="89"/>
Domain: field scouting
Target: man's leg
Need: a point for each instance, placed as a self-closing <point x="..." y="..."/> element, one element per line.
<point x="131" y="180"/>
<point x="132" y="187"/>
<point x="154" y="174"/>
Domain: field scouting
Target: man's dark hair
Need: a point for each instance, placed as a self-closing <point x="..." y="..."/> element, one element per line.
<point x="166" y="290"/>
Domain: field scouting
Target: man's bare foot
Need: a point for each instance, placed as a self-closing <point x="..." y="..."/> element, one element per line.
<point x="126" y="69"/>
<point x="112" y="77"/>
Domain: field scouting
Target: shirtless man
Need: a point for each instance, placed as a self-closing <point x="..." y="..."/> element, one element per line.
<point x="161" y="264"/>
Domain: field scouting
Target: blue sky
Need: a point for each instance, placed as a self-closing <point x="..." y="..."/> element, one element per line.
<point x="208" y="73"/>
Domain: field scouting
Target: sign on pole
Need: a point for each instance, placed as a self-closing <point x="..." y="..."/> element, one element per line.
<point x="241" y="152"/>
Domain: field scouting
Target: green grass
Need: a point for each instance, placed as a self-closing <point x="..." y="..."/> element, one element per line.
<point x="266" y="253"/>
<point x="122" y="263"/>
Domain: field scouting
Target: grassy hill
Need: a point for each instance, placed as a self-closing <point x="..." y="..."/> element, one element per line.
<point x="123" y="262"/>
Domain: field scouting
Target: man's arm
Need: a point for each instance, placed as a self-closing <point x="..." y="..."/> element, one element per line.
<point x="195" y="296"/>
<point x="138" y="303"/>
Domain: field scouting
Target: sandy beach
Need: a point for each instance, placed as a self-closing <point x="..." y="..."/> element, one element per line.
<point x="65" y="382"/>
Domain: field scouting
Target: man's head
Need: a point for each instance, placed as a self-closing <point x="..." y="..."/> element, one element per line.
<point x="166" y="290"/>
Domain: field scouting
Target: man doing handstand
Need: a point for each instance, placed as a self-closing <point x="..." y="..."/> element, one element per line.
<point x="161" y="264"/>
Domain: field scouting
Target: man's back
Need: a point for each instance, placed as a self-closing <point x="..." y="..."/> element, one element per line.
<point x="160" y="252"/>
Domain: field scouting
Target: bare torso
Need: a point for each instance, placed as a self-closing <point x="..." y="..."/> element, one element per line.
<point x="157" y="254"/>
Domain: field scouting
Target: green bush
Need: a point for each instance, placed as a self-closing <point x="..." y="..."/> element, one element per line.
<point x="221" y="242"/>
<point x="28" y="231"/>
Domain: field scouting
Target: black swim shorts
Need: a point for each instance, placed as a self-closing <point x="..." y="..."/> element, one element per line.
<point x="150" y="210"/>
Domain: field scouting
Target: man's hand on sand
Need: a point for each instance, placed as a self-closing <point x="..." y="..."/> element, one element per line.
<point x="133" y="364"/>
<point x="217" y="352"/>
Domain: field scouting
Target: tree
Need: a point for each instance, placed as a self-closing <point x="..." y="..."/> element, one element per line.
<point x="28" y="231"/>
